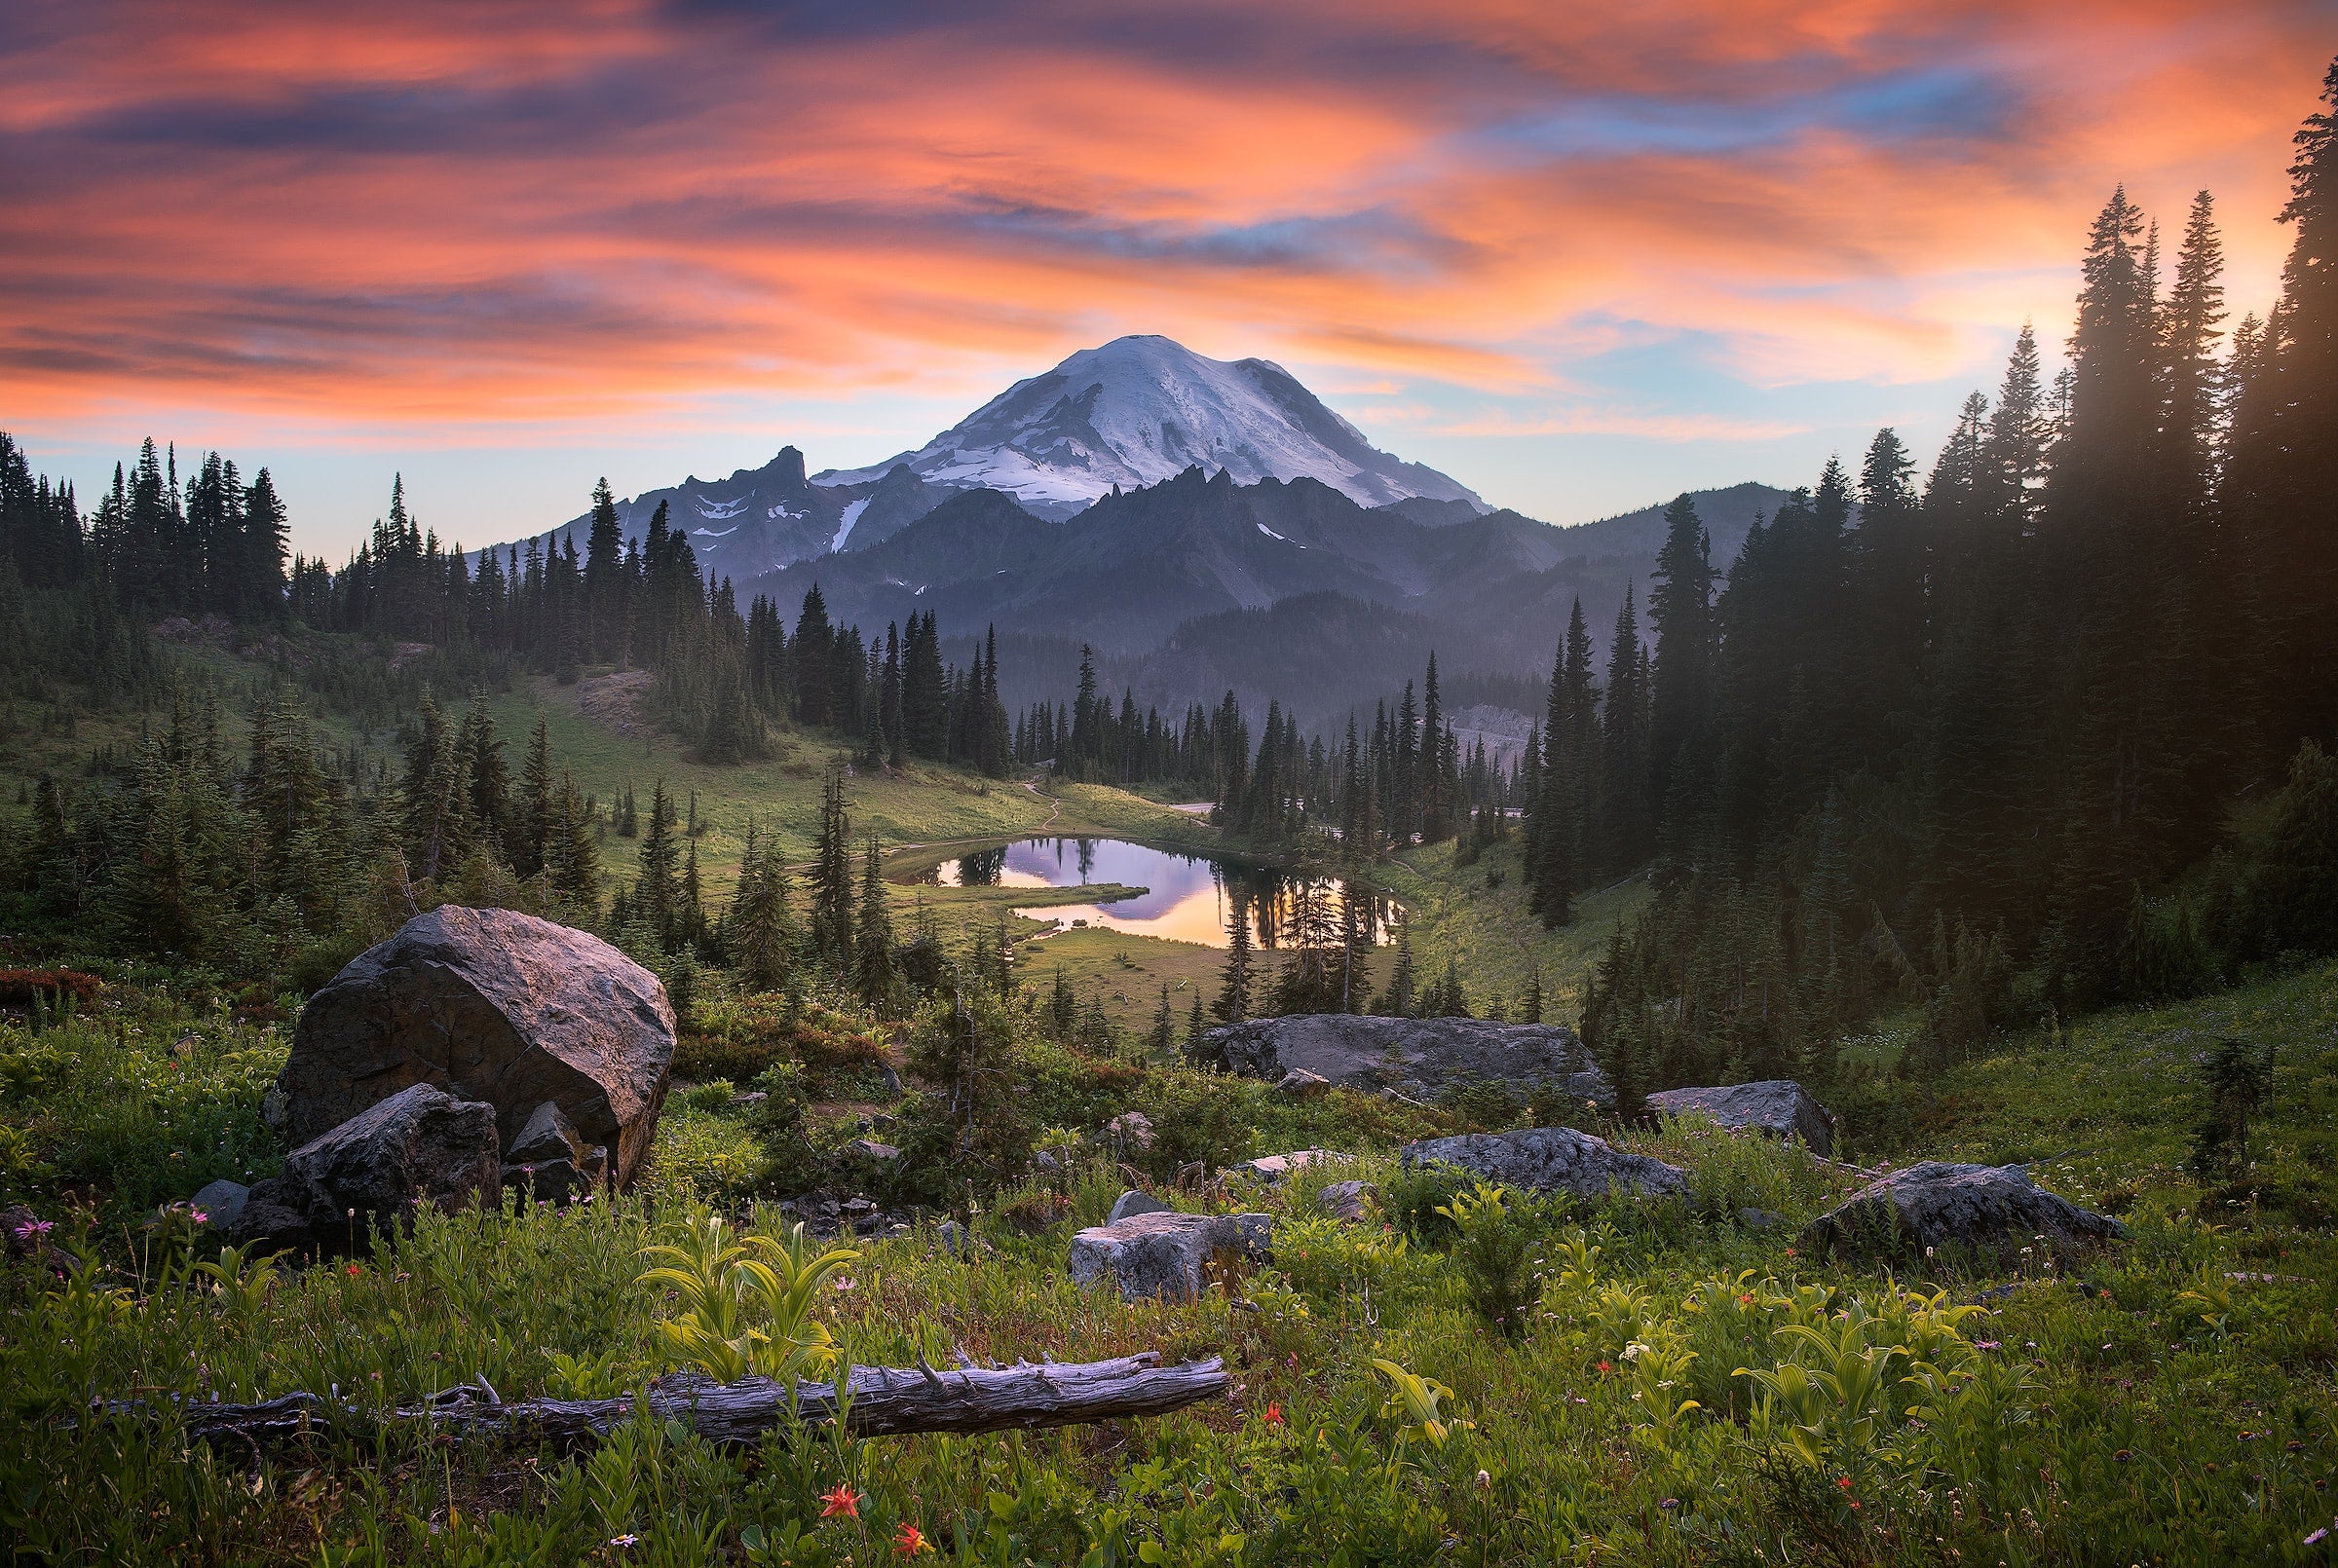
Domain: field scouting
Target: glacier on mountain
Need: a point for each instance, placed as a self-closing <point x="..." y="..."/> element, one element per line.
<point x="1139" y="410"/>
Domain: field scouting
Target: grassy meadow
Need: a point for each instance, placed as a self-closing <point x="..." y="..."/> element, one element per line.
<point x="2172" y="1400"/>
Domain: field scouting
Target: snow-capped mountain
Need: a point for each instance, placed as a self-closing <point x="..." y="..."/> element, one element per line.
<point x="1126" y="416"/>
<point x="1140" y="410"/>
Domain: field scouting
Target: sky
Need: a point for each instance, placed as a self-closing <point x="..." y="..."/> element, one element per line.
<point x="1579" y="256"/>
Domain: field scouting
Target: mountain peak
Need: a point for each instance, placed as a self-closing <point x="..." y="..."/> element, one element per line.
<point x="1145" y="408"/>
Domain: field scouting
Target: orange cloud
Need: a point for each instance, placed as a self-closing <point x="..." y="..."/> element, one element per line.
<point x="443" y="215"/>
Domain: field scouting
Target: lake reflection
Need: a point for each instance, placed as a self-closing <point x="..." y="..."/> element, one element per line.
<point x="1186" y="898"/>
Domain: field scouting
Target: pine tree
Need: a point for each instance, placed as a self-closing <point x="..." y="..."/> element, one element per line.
<point x="832" y="882"/>
<point x="657" y="893"/>
<point x="872" y="975"/>
<point x="535" y="811"/>
<point x="1234" y="986"/>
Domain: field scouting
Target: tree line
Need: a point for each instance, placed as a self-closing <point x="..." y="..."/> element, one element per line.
<point x="2041" y="732"/>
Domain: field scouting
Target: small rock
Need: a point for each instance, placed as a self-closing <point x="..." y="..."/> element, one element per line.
<point x="1301" y="1084"/>
<point x="1273" y="1168"/>
<point x="1166" y="1257"/>
<point x="1778" y="1106"/>
<point x="1550" y="1159"/>
<point x="550" y="1160"/>
<point x="221" y="1203"/>
<point x="419" y="1145"/>
<point x="1347" y="1201"/>
<point x="749" y="1099"/>
<point x="1133" y="1202"/>
<point x="868" y="1148"/>
<point x="1993" y="1210"/>
<point x="1760" y="1219"/>
<point x="958" y="1242"/>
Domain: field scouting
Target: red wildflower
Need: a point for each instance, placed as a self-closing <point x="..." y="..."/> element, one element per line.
<point x="843" y="1500"/>
<point x="910" y="1540"/>
<point x="1607" y="1366"/>
<point x="355" y="1271"/>
<point x="1844" y="1482"/>
<point x="1274" y="1413"/>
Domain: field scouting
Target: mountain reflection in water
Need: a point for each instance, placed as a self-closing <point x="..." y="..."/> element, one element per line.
<point x="1186" y="896"/>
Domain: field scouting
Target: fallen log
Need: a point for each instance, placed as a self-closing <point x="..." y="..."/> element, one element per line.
<point x="884" y="1402"/>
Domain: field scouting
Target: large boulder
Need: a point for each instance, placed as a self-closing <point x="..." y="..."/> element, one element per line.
<point x="1980" y="1210"/>
<point x="1167" y="1256"/>
<point x="1778" y="1106"/>
<point x="1420" y="1058"/>
<point x="494" y="1006"/>
<point x="418" y="1147"/>
<point x="1550" y="1159"/>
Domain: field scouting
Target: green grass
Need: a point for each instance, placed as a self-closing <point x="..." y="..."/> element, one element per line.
<point x="2154" y="1406"/>
<point x="1490" y="934"/>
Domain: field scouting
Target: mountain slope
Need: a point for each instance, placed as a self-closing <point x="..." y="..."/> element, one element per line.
<point x="1140" y="410"/>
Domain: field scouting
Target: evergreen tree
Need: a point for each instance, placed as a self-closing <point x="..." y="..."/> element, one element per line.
<point x="831" y="932"/>
<point x="872" y="975"/>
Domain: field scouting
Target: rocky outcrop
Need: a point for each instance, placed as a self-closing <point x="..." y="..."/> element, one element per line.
<point x="1129" y="1132"/>
<point x="1420" y="1058"/>
<point x="1133" y="1202"/>
<point x="1301" y="1084"/>
<point x="418" y="1147"/>
<point x="1778" y="1106"/>
<point x="1992" y="1211"/>
<point x="495" y="1007"/>
<point x="1167" y="1256"/>
<point x="1551" y="1159"/>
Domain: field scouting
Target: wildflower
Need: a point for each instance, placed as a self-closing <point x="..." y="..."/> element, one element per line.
<point x="843" y="1282"/>
<point x="2318" y="1537"/>
<point x="1844" y="1481"/>
<point x="198" y="1217"/>
<point x="1484" y="1481"/>
<point x="1607" y="1366"/>
<point x="1986" y="1344"/>
<point x="843" y="1501"/>
<point x="621" y="1542"/>
<point x="1274" y="1413"/>
<point x="1789" y="1252"/>
<point x="355" y="1271"/>
<point x="910" y="1540"/>
<point x="32" y="1230"/>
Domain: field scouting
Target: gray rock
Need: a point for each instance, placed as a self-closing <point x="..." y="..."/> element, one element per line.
<point x="1550" y="1159"/>
<point x="1778" y="1106"/>
<point x="1167" y="1256"/>
<point x="492" y="1006"/>
<point x="1418" y="1057"/>
<point x="1273" y="1168"/>
<point x="955" y="1241"/>
<point x="548" y="1159"/>
<point x="220" y="1203"/>
<point x="1133" y="1202"/>
<point x="868" y="1148"/>
<point x="1752" y="1219"/>
<point x="1301" y="1084"/>
<point x="1347" y="1201"/>
<point x="418" y="1147"/>
<point x="1992" y="1210"/>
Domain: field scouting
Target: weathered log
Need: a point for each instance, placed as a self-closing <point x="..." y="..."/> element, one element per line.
<point x="884" y="1401"/>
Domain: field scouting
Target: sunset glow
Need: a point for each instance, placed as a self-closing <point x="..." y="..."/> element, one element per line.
<point x="1575" y="256"/>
